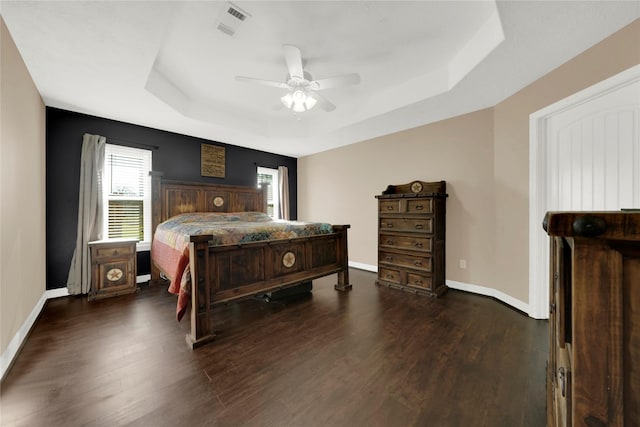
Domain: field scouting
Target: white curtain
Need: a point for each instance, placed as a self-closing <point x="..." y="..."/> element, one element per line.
<point x="283" y="191"/>
<point x="90" y="212"/>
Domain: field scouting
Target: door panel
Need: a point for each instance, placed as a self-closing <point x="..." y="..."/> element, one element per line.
<point x="593" y="154"/>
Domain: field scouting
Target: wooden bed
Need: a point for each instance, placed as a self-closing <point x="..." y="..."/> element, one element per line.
<point x="230" y="272"/>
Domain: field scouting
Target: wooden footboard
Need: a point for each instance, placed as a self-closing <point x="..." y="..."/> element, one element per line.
<point x="225" y="273"/>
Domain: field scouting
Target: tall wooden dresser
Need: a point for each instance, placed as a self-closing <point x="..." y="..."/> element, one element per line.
<point x="593" y="374"/>
<point x="411" y="237"/>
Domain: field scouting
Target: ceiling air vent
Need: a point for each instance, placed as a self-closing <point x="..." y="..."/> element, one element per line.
<point x="235" y="12"/>
<point x="231" y="18"/>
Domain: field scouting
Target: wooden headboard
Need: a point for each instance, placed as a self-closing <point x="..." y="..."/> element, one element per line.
<point x="171" y="198"/>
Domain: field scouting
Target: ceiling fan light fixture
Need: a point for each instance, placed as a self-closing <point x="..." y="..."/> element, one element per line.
<point x="298" y="107"/>
<point x="310" y="102"/>
<point x="287" y="100"/>
<point x="299" y="96"/>
<point x="298" y="101"/>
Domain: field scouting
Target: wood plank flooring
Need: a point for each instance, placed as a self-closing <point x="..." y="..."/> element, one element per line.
<point x="371" y="357"/>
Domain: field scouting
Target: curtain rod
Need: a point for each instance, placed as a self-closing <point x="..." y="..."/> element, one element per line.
<point x="138" y="144"/>
<point x="262" y="165"/>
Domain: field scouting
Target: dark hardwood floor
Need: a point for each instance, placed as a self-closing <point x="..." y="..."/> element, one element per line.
<point x="371" y="357"/>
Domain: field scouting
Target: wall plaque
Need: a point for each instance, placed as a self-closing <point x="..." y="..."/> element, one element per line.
<point x="212" y="160"/>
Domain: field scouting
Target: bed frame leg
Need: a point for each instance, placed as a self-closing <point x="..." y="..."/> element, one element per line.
<point x="341" y="251"/>
<point x="343" y="281"/>
<point x="195" y="343"/>
<point x="201" y="324"/>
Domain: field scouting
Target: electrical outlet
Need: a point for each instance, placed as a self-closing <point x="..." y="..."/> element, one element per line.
<point x="463" y="263"/>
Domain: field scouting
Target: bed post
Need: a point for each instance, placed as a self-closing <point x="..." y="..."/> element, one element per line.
<point x="343" y="257"/>
<point x="156" y="213"/>
<point x="201" y="327"/>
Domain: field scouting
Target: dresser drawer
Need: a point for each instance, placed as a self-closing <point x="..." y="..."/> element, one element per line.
<point x="419" y="280"/>
<point x="389" y="275"/>
<point x="405" y="260"/>
<point x="420" y="206"/>
<point x="418" y="242"/>
<point x="422" y="225"/>
<point x="389" y="206"/>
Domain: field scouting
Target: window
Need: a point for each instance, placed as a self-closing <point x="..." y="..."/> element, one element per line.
<point x="127" y="190"/>
<point x="269" y="177"/>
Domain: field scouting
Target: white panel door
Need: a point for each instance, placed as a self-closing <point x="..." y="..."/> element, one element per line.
<point x="593" y="154"/>
<point x="584" y="155"/>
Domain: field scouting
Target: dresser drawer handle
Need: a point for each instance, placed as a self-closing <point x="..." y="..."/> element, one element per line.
<point x="115" y="252"/>
<point x="418" y="244"/>
<point x="389" y="276"/>
<point x="419" y="207"/>
<point x="417" y="263"/>
<point x="388" y="258"/>
<point x="389" y="207"/>
<point x="418" y="282"/>
<point x="389" y="225"/>
<point x="389" y="242"/>
<point x="419" y="226"/>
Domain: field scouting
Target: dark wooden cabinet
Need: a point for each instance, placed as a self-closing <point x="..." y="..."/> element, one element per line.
<point x="593" y="374"/>
<point x="411" y="237"/>
<point x="113" y="268"/>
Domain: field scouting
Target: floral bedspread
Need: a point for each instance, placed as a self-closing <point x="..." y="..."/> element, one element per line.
<point x="170" y="247"/>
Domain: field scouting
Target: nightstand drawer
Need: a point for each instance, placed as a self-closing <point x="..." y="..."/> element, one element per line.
<point x="117" y="251"/>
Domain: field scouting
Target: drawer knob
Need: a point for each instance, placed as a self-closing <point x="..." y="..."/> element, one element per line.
<point x="418" y="244"/>
<point x="389" y="207"/>
<point x="389" y="242"/>
<point x="418" y="282"/>
<point x="388" y="258"/>
<point x="417" y="263"/>
<point x="389" y="276"/>
<point x="589" y="226"/>
<point x="115" y="252"/>
<point x="419" y="207"/>
<point x="389" y="225"/>
<point x="419" y="226"/>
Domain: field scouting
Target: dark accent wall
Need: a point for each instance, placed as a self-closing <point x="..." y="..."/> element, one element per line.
<point x="177" y="157"/>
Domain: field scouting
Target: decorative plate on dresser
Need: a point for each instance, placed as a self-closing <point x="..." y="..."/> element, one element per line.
<point x="411" y="237"/>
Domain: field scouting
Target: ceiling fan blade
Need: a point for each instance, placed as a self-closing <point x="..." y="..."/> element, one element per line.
<point x="294" y="61"/>
<point x="323" y="102"/>
<point x="337" y="81"/>
<point x="262" y="82"/>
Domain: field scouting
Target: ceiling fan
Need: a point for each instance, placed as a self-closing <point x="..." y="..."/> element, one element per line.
<point x="302" y="89"/>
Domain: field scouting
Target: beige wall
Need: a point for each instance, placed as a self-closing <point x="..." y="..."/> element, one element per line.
<point x="22" y="191"/>
<point x="483" y="156"/>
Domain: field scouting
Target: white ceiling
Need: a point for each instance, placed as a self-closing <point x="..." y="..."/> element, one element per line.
<point x="166" y="65"/>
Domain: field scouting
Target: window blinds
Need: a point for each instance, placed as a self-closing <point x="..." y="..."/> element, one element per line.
<point x="127" y="190"/>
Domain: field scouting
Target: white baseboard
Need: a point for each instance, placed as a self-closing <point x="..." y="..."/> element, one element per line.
<point x="361" y="266"/>
<point x="18" y="339"/>
<point x="475" y="289"/>
<point x="490" y="292"/>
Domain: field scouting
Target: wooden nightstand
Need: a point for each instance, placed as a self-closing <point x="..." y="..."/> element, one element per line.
<point x="113" y="268"/>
